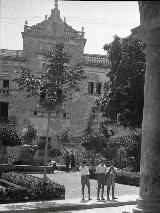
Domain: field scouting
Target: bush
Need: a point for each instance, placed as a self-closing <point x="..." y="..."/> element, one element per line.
<point x="2" y="193"/>
<point x="34" y="186"/>
<point x="13" y="194"/>
<point x="55" y="152"/>
<point x="130" y="149"/>
<point x="128" y="178"/>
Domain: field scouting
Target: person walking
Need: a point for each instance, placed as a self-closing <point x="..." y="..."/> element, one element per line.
<point x="53" y="164"/>
<point x="101" y="178"/>
<point x="111" y="176"/>
<point x="84" y="169"/>
<point x="67" y="161"/>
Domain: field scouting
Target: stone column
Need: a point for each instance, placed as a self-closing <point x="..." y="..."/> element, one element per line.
<point x="149" y="31"/>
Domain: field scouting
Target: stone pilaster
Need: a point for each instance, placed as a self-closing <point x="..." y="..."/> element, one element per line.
<point x="149" y="200"/>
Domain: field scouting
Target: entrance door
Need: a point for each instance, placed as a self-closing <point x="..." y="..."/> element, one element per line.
<point x="4" y="110"/>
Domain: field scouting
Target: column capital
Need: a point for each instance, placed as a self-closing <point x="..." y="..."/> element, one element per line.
<point x="149" y="11"/>
<point x="149" y="21"/>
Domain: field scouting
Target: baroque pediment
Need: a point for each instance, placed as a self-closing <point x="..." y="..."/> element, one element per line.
<point x="52" y="26"/>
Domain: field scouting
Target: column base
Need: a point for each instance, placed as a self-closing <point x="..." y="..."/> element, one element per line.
<point x="147" y="206"/>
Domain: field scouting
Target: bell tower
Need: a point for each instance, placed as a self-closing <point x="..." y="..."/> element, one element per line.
<point x="39" y="39"/>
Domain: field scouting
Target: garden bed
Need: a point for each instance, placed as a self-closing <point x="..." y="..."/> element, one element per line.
<point x="31" y="188"/>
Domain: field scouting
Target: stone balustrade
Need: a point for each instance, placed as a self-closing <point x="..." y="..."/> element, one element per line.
<point x="34" y="30"/>
<point x="6" y="52"/>
<point x="41" y="113"/>
<point x="95" y="59"/>
<point x="77" y="34"/>
<point x="5" y="91"/>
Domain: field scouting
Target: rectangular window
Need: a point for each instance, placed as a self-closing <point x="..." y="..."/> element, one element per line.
<point x="5" y="83"/>
<point x="35" y="112"/>
<point x="98" y="88"/>
<point x="90" y="87"/>
<point x="64" y="115"/>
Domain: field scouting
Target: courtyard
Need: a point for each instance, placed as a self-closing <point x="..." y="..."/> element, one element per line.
<point x="71" y="181"/>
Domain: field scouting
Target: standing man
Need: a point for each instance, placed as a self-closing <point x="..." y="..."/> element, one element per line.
<point x="72" y="158"/>
<point x="111" y="176"/>
<point x="101" y="180"/>
<point x="84" y="169"/>
<point x="67" y="161"/>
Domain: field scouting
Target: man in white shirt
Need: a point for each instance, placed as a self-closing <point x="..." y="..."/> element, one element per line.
<point x="101" y="180"/>
<point x="84" y="169"/>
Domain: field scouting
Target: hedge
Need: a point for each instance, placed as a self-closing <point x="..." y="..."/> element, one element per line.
<point x="128" y="178"/>
<point x="123" y="177"/>
<point x="34" y="187"/>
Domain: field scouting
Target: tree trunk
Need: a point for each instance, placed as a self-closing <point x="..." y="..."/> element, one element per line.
<point x="3" y="153"/>
<point x="46" y="150"/>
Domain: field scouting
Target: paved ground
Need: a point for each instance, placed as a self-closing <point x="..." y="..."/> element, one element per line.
<point x="72" y="184"/>
<point x="70" y="205"/>
<point x="120" y="209"/>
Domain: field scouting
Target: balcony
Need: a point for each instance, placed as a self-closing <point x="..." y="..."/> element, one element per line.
<point x="73" y="34"/>
<point x="41" y="113"/>
<point x="94" y="59"/>
<point x="5" y="91"/>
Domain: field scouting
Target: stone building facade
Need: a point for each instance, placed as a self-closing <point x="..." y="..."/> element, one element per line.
<point x="38" y="39"/>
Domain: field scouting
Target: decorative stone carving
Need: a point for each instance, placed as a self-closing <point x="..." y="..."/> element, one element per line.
<point x="149" y="10"/>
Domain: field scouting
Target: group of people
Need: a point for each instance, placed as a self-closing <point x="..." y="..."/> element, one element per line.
<point x="105" y="176"/>
<point x="69" y="161"/>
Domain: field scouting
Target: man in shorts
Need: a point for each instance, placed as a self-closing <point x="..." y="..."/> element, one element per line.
<point x="101" y="179"/>
<point x="84" y="169"/>
<point x="111" y="176"/>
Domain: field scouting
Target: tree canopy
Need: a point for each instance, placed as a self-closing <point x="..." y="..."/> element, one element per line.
<point x="56" y="80"/>
<point x="30" y="134"/>
<point x="124" y="90"/>
<point x="9" y="137"/>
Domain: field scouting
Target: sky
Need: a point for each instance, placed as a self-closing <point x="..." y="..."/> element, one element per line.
<point x="101" y="20"/>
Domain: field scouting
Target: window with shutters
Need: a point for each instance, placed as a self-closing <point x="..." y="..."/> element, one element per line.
<point x="90" y="87"/>
<point x="98" y="88"/>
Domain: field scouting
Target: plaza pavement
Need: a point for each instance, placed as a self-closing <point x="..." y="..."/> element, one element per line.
<point x="70" y="205"/>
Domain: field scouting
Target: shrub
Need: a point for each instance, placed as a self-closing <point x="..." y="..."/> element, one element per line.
<point x="34" y="186"/>
<point x="30" y="134"/>
<point x="130" y="149"/>
<point x="55" y="152"/>
<point x="13" y="194"/>
<point x="2" y="193"/>
<point x="128" y="178"/>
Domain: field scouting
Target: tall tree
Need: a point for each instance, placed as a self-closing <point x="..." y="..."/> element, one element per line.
<point x="123" y="92"/>
<point x="53" y="85"/>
